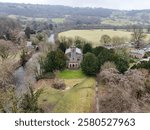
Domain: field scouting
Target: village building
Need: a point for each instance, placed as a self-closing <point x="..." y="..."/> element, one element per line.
<point x="74" y="56"/>
<point x="140" y="53"/>
<point x="137" y="54"/>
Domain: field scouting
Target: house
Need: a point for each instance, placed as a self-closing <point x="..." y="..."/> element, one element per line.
<point x="74" y="56"/>
<point x="147" y="48"/>
<point x="137" y="54"/>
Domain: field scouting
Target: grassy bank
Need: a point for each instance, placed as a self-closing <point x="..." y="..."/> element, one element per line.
<point x="78" y="97"/>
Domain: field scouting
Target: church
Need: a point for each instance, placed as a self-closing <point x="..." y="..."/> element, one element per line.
<point x="74" y="56"/>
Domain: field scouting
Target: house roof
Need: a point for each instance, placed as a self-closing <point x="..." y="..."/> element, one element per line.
<point x="69" y="51"/>
<point x="141" y="52"/>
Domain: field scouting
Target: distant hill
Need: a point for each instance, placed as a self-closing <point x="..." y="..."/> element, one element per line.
<point x="31" y="10"/>
<point x="78" y="15"/>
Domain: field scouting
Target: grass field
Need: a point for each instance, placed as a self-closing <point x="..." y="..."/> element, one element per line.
<point x="94" y="36"/>
<point x="78" y="97"/>
<point x="71" y="74"/>
<point x="58" y="20"/>
<point x="117" y="22"/>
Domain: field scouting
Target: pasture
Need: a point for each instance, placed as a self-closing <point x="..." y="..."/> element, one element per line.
<point x="58" y="20"/>
<point x="94" y="36"/>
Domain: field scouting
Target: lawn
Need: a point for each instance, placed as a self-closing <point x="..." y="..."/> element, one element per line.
<point x="58" y="20"/>
<point x="94" y="36"/>
<point x="79" y="98"/>
<point x="70" y="74"/>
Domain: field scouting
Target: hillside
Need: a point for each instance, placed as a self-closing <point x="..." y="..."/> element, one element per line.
<point x="98" y="16"/>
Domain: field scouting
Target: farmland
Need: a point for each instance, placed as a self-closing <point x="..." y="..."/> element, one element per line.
<point x="95" y="35"/>
<point x="58" y="20"/>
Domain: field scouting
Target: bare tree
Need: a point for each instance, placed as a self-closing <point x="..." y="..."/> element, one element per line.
<point x="7" y="27"/>
<point x="4" y="53"/>
<point x="123" y="93"/>
<point x="6" y="74"/>
<point x="138" y="37"/>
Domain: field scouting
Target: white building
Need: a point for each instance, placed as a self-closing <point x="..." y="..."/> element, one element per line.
<point x="137" y="53"/>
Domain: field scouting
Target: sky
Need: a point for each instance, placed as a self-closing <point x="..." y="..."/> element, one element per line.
<point x="112" y="4"/>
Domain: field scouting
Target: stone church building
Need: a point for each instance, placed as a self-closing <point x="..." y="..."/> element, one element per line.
<point x="74" y="56"/>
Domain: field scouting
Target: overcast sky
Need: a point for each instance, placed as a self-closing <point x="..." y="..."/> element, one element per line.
<point x="114" y="4"/>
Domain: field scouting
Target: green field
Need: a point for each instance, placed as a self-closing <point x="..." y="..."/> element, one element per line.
<point x="79" y="95"/>
<point x="94" y="36"/>
<point x="71" y="74"/>
<point x="58" y="20"/>
<point x="117" y="22"/>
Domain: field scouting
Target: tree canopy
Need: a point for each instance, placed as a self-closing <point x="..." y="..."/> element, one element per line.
<point x="89" y="64"/>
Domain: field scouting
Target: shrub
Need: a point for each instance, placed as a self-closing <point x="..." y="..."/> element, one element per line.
<point x="143" y="64"/>
<point x="108" y="65"/>
<point x="59" y="84"/>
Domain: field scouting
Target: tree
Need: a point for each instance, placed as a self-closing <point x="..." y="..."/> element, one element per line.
<point x="98" y="49"/>
<point x="55" y="60"/>
<point x="29" y="103"/>
<point x="148" y="30"/>
<point x="63" y="43"/>
<point x="9" y="101"/>
<point x="123" y="93"/>
<point x="89" y="64"/>
<point x="79" y="42"/>
<point x="4" y="51"/>
<point x="108" y="65"/>
<point x="62" y="46"/>
<point x="40" y="36"/>
<point x="7" y="27"/>
<point x="121" y="63"/>
<point x="104" y="56"/>
<point x="6" y="74"/>
<point x="23" y="57"/>
<point x="117" y="40"/>
<point x="138" y="37"/>
<point x="105" y="40"/>
<point x="87" y="48"/>
<point x="124" y="53"/>
<point x="27" y="32"/>
<point x="143" y="64"/>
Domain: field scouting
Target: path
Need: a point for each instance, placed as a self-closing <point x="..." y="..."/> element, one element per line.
<point x="97" y="98"/>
